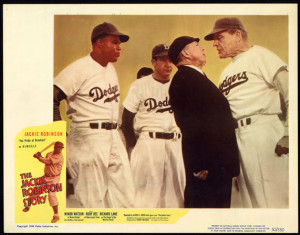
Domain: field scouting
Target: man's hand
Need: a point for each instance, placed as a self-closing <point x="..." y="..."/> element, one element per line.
<point x="37" y="155"/>
<point x="282" y="146"/>
<point x="202" y="175"/>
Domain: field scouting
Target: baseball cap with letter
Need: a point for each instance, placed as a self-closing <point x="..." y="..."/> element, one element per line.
<point x="177" y="45"/>
<point x="105" y="29"/>
<point x="224" y="24"/>
<point x="160" y="50"/>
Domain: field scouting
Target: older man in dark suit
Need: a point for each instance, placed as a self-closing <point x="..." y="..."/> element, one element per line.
<point x="202" y="113"/>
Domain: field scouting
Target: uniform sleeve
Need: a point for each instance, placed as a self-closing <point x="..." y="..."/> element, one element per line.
<point x="275" y="73"/>
<point x="69" y="80"/>
<point x="282" y="84"/>
<point x="132" y="101"/>
<point x="269" y="65"/>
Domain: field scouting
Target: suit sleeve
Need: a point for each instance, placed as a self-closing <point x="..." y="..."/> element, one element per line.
<point x="177" y="100"/>
<point x="228" y="149"/>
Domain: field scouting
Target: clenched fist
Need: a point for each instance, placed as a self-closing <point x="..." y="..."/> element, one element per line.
<point x="282" y="146"/>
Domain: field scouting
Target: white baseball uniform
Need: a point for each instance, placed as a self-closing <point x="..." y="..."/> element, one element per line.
<point x="52" y="175"/>
<point x="96" y="158"/>
<point x="157" y="164"/>
<point x="248" y="84"/>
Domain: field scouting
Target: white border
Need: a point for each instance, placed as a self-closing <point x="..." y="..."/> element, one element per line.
<point x="27" y="34"/>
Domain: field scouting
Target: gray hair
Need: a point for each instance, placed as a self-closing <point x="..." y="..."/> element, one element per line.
<point x="180" y="57"/>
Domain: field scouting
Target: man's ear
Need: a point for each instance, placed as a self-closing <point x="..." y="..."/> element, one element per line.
<point x="153" y="61"/>
<point x="238" y="33"/>
<point x="99" y="42"/>
<point x="185" y="53"/>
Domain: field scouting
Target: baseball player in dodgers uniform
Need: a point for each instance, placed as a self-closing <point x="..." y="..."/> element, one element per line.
<point x="156" y="159"/>
<point x="53" y="165"/>
<point x="96" y="157"/>
<point x="252" y="84"/>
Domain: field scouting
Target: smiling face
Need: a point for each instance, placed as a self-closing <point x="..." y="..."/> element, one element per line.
<point x="226" y="44"/>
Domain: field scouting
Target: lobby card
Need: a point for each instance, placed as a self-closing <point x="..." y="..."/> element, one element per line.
<point x="40" y="40"/>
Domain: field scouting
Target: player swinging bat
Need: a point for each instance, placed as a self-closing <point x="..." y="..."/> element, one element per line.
<point x="45" y="148"/>
<point x="53" y="166"/>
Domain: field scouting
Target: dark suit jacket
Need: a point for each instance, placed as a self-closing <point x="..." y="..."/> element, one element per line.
<point x="204" y="117"/>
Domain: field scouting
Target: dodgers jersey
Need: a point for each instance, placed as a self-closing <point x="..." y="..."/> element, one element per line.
<point x="149" y="99"/>
<point x="92" y="90"/>
<point x="248" y="83"/>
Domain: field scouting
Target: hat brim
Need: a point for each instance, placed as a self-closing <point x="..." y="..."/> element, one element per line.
<point x="164" y="53"/>
<point x="210" y="36"/>
<point x="123" y="37"/>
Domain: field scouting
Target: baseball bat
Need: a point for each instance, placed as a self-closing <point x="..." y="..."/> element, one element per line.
<point x="48" y="147"/>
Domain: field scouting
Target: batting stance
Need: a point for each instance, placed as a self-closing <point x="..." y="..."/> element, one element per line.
<point x="156" y="159"/>
<point x="96" y="157"/>
<point x="253" y="83"/>
<point x="53" y="166"/>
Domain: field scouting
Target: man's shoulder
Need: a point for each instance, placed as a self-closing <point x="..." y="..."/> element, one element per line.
<point x="143" y="81"/>
<point x="76" y="67"/>
<point x="187" y="69"/>
<point x="49" y="154"/>
<point x="185" y="72"/>
<point x="259" y="50"/>
<point x="82" y="61"/>
<point x="264" y="56"/>
<point x="83" y="68"/>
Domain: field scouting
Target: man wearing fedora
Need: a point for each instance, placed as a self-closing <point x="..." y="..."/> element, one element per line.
<point x="97" y="160"/>
<point x="253" y="83"/>
<point x="202" y="113"/>
<point x="156" y="159"/>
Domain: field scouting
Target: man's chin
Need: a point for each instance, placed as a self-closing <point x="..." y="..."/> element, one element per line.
<point x="114" y="60"/>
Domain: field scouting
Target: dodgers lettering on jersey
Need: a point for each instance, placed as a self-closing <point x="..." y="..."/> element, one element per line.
<point x="248" y="83"/>
<point x="98" y="93"/>
<point x="92" y="91"/>
<point x="149" y="99"/>
<point x="233" y="81"/>
<point x="158" y="105"/>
